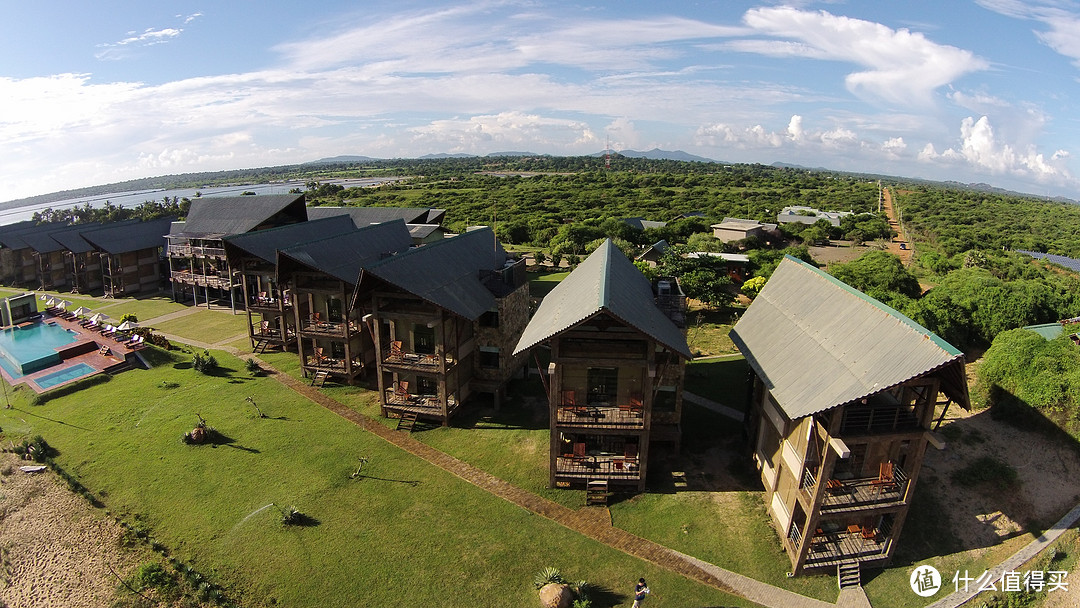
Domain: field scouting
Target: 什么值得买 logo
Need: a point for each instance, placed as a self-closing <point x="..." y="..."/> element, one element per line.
<point x="925" y="581"/>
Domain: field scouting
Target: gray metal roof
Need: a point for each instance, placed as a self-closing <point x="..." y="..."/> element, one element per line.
<point x="605" y="282"/>
<point x="447" y="273"/>
<point x="16" y="239"/>
<point x="363" y="216"/>
<point x="43" y="241"/>
<point x="638" y="223"/>
<point x="219" y="216"/>
<point x="422" y="231"/>
<point x="343" y="256"/>
<point x="817" y="343"/>
<point x="123" y="237"/>
<point x="265" y="243"/>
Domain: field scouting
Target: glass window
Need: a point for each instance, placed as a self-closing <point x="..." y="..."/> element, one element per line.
<point x="489" y="357"/>
<point x="602" y="384"/>
<point x="424" y="339"/>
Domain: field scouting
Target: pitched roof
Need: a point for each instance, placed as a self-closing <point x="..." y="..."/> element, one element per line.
<point x="15" y="239"/>
<point x="124" y="237"/>
<point x="42" y="241"/>
<point x="817" y="343"/>
<point x="605" y="282"/>
<point x="447" y="272"/>
<point x="638" y="223"/>
<point x="422" y="231"/>
<point x="362" y="216"/>
<point x="218" y="216"/>
<point x="343" y="256"/>
<point x="265" y="243"/>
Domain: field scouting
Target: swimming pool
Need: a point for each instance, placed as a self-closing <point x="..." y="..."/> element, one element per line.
<point x="68" y="373"/>
<point x="33" y="347"/>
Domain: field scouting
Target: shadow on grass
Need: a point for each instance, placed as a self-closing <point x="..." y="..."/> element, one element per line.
<point x="74" y="426"/>
<point x="411" y="482"/>
<point x="302" y="520"/>
<point x="602" y="597"/>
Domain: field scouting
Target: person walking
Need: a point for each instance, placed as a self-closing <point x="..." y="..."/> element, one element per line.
<point x="640" y="591"/>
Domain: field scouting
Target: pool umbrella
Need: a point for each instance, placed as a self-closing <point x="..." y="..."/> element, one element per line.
<point x="43" y="297"/>
<point x="82" y="310"/>
<point x="127" y="326"/>
<point x="98" y="318"/>
<point x="63" y="304"/>
<point x="50" y="302"/>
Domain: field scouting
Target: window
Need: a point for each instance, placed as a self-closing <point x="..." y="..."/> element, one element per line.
<point x="426" y="386"/>
<point x="490" y="319"/>
<point x="333" y="310"/>
<point x="489" y="357"/>
<point x="337" y="350"/>
<point x="424" y="339"/>
<point x="664" y="401"/>
<point x="602" y="384"/>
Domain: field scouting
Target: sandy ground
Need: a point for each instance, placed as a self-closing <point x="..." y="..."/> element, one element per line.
<point x="55" y="549"/>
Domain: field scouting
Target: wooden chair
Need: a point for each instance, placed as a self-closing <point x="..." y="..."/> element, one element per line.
<point x="395" y="351"/>
<point x="264" y="328"/>
<point x="401" y="389"/>
<point x="319" y="356"/>
<point x="579" y="452"/>
<point x="886" y="478"/>
<point x="630" y="453"/>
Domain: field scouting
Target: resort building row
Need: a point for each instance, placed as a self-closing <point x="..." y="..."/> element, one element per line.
<point x="844" y="388"/>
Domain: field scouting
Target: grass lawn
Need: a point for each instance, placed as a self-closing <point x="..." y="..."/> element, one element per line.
<point x="707" y="331"/>
<point x="541" y="283"/>
<point x="144" y="308"/>
<point x="206" y="326"/>
<point x="404" y="534"/>
<point x="722" y="380"/>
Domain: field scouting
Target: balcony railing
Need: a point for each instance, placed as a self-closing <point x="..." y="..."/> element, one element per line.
<point x="830" y="548"/>
<point x="196" y="251"/>
<point x="271" y="333"/>
<point x="268" y="303"/>
<point x="598" y="467"/>
<point x="421" y="405"/>
<point x="865" y="493"/>
<point x="328" y="328"/>
<point x="202" y="280"/>
<point x="624" y="416"/>
<point x="415" y="361"/>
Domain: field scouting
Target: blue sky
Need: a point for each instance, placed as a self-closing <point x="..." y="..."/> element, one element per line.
<point x="979" y="91"/>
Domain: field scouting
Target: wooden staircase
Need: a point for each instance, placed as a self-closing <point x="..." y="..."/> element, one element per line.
<point x="319" y="378"/>
<point x="596" y="492"/>
<point x="260" y="346"/>
<point x="848" y="574"/>
<point x="407" y="422"/>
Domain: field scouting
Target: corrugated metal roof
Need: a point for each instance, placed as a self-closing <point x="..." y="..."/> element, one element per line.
<point x="447" y="273"/>
<point x="15" y="239"/>
<point x="422" y="231"/>
<point x="136" y="235"/>
<point x="1048" y="331"/>
<point x="605" y="282"/>
<point x="218" y="216"/>
<point x="817" y="343"/>
<point x="43" y="241"/>
<point x="265" y="243"/>
<point x="1070" y="263"/>
<point x="638" y="223"/>
<point x="344" y="255"/>
<point x="363" y="216"/>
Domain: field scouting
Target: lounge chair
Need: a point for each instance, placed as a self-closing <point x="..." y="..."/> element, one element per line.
<point x="395" y="351"/>
<point x="137" y="342"/>
<point x="401" y="390"/>
<point x="104" y="350"/>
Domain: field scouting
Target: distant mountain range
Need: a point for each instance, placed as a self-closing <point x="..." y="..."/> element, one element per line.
<point x="654" y="154"/>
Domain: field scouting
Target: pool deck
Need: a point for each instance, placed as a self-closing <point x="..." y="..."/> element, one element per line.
<point x="85" y="349"/>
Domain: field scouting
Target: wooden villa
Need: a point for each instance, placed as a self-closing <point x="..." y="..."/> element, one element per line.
<point x="445" y="319"/>
<point x="196" y="251"/>
<point x="615" y="381"/>
<point x="321" y="277"/>
<point x="843" y="401"/>
<point x="19" y="263"/>
<point x="130" y="257"/>
<point x="271" y="321"/>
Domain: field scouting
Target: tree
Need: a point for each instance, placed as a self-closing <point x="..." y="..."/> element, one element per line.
<point x="879" y="274"/>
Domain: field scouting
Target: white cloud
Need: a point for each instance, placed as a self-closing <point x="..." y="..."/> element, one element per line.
<point x="794" y="136"/>
<point x="979" y="147"/>
<point x="477" y="134"/>
<point x="1061" y="19"/>
<point x="904" y="67"/>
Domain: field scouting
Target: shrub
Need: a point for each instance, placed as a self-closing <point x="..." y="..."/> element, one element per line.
<point x="129" y="316"/>
<point x="549" y="574"/>
<point x="204" y="363"/>
<point x="253" y="367"/>
<point x="292" y="517"/>
<point x="540" y="257"/>
<point x="151" y="575"/>
<point x="35" y="449"/>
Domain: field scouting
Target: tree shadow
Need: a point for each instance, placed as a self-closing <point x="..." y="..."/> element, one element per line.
<point x="411" y="482"/>
<point x="74" y="426"/>
<point x="602" y="597"/>
<point x="302" y="520"/>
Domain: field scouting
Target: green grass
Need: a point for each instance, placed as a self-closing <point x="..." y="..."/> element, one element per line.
<point x="721" y="380"/>
<point x="541" y="283"/>
<point x="707" y="331"/>
<point x="206" y="326"/>
<point x="405" y="534"/>
<point x="145" y="308"/>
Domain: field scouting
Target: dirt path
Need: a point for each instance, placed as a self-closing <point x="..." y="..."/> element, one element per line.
<point x="55" y="549"/>
<point x="894" y="223"/>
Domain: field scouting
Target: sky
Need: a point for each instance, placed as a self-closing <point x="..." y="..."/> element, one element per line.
<point x="971" y="91"/>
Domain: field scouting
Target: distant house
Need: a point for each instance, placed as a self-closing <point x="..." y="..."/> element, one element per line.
<point x="363" y="216"/>
<point x="618" y="352"/>
<point x="734" y="263"/>
<point x="734" y="229"/>
<point x="843" y="400"/>
<point x="196" y="251"/>
<point x="254" y="256"/>
<point x="653" y="253"/>
<point x="20" y="263"/>
<point x="690" y="214"/>
<point x="809" y="215"/>
<point x="445" y="318"/>
<point x="638" y="223"/>
<point x="321" y="277"/>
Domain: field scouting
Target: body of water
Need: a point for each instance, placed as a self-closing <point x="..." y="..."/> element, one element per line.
<point x="136" y="198"/>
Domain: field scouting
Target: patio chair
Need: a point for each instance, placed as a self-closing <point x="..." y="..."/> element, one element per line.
<point x="137" y="343"/>
<point x="104" y="350"/>
<point x="264" y="328"/>
<point x="579" y="452"/>
<point x="319" y="356"/>
<point x="395" y="351"/>
<point x="630" y="453"/>
<point x="401" y="390"/>
<point x="886" y="478"/>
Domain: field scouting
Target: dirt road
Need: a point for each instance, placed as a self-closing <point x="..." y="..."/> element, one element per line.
<point x="894" y="223"/>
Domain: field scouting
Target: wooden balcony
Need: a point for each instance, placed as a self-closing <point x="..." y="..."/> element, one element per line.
<point x="202" y="280"/>
<point x="193" y="251"/>
<point x="831" y="548"/>
<point x="272" y="334"/>
<point x="865" y="493"/>
<point x="329" y="364"/>
<point x="316" y="327"/>
<point x="612" y="468"/>
<point x="427" y="406"/>
<point x="592" y="416"/>
<point x="416" y="362"/>
<point x="268" y="304"/>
